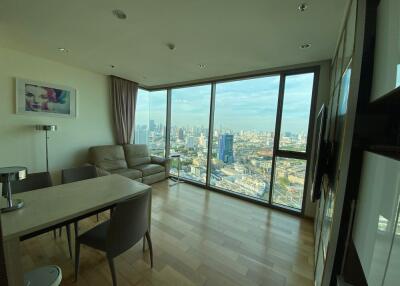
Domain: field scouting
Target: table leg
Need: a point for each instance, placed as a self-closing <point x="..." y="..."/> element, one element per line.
<point x="12" y="255"/>
<point x="150" y="203"/>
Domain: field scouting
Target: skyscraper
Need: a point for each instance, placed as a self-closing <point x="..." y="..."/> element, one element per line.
<point x="152" y="125"/>
<point x="142" y="135"/>
<point x="181" y="134"/>
<point x="225" y="148"/>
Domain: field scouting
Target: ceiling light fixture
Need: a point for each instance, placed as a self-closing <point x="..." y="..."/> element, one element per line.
<point x="63" y="50"/>
<point x="171" y="46"/>
<point x="202" y="66"/>
<point x="112" y="66"/>
<point x="305" y="46"/>
<point x="302" y="7"/>
<point x="119" y="14"/>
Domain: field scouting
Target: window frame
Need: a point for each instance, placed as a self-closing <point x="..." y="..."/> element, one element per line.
<point x="277" y="152"/>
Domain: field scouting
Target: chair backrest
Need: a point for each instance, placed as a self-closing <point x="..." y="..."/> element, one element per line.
<point x="129" y="223"/>
<point x="78" y="174"/>
<point x="32" y="182"/>
<point x="108" y="157"/>
<point x="137" y="154"/>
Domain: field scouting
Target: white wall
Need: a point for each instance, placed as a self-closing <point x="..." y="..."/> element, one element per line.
<point x="21" y="144"/>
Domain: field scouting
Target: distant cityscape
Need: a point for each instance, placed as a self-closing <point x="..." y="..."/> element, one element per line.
<point x="241" y="160"/>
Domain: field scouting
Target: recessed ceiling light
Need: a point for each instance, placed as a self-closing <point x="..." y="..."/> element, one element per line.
<point x="119" y="14"/>
<point x="171" y="46"/>
<point x="202" y="66"/>
<point x="302" y="7"/>
<point x="63" y="50"/>
<point x="305" y="46"/>
<point x="112" y="66"/>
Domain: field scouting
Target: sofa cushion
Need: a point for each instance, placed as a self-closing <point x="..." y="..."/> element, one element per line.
<point x="150" y="169"/>
<point x="109" y="157"/>
<point x="136" y="154"/>
<point x="130" y="173"/>
<point x="148" y="180"/>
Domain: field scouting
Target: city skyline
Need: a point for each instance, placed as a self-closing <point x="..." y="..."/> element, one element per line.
<point x="242" y="143"/>
<point x="256" y="98"/>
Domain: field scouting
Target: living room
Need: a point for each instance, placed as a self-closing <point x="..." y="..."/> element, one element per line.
<point x="228" y="130"/>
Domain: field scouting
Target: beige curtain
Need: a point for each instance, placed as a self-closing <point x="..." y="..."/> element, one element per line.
<point x="124" y="93"/>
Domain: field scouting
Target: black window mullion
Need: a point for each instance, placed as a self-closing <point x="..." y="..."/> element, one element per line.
<point x="210" y="133"/>
<point x="168" y="125"/>
<point x="277" y="133"/>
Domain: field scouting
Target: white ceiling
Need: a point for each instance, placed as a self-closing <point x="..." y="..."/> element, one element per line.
<point x="228" y="36"/>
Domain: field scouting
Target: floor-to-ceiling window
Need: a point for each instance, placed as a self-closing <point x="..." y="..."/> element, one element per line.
<point x="150" y="120"/>
<point x="243" y="137"/>
<point x="258" y="131"/>
<point x="190" y="110"/>
<point x="291" y="154"/>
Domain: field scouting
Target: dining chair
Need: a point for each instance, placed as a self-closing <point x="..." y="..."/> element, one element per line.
<point x="78" y="174"/>
<point x="36" y="181"/>
<point x="128" y="224"/>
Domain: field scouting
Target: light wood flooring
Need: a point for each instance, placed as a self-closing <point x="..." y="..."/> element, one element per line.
<point x="199" y="238"/>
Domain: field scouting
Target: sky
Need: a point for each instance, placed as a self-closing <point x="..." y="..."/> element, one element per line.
<point x="249" y="104"/>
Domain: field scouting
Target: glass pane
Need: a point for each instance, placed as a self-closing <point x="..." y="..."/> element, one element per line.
<point x="190" y="109"/>
<point x="296" y="112"/>
<point x="142" y="118"/>
<point x="350" y="34"/>
<point x="150" y="120"/>
<point x="289" y="182"/>
<point x="243" y="139"/>
<point x="157" y="122"/>
<point x="339" y="67"/>
<point x="387" y="49"/>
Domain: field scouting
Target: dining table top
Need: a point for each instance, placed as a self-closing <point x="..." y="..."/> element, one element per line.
<point x="54" y="205"/>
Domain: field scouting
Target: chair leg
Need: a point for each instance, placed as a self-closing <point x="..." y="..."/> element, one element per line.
<point x="69" y="239"/>
<point x="59" y="231"/>
<point x="76" y="230"/>
<point x="97" y="216"/>
<point x="77" y="258"/>
<point x="54" y="233"/>
<point x="112" y="269"/>
<point x="150" y="247"/>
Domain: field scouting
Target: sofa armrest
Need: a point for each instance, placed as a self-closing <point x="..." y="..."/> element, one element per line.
<point x="100" y="172"/>
<point x="161" y="161"/>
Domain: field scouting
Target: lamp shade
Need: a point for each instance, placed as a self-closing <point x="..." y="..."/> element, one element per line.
<point x="12" y="174"/>
<point x="46" y="127"/>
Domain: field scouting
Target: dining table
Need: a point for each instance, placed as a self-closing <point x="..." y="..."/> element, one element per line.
<point x="49" y="208"/>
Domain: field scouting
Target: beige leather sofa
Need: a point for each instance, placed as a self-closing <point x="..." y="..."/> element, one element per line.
<point x="132" y="161"/>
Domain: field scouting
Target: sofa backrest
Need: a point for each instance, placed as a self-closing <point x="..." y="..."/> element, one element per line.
<point x="136" y="154"/>
<point x="108" y="157"/>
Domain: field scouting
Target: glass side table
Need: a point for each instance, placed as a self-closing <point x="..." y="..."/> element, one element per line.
<point x="177" y="180"/>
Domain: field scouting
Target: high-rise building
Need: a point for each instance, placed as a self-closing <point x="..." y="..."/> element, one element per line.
<point x="225" y="148"/>
<point x="142" y="135"/>
<point x="152" y="125"/>
<point x="190" y="142"/>
<point x="181" y="134"/>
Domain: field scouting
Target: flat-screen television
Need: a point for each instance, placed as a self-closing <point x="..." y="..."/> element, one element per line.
<point x="319" y="153"/>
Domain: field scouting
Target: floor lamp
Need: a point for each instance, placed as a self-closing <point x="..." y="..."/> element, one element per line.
<point x="47" y="128"/>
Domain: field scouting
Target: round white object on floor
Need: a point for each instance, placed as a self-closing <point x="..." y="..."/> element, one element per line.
<point x="50" y="275"/>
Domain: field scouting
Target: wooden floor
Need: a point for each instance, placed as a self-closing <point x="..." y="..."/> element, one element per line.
<point x="199" y="238"/>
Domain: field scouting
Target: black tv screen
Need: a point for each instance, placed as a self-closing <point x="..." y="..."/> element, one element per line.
<point x="318" y="166"/>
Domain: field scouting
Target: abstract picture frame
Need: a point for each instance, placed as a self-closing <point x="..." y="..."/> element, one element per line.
<point x="45" y="99"/>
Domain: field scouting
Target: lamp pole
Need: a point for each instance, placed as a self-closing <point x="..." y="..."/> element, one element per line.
<point x="47" y="152"/>
<point x="46" y="129"/>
